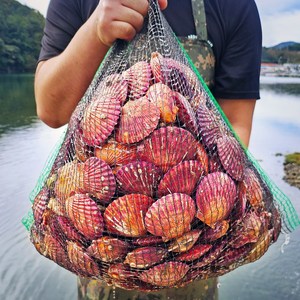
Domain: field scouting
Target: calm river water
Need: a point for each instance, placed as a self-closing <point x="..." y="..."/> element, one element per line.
<point x="25" y="144"/>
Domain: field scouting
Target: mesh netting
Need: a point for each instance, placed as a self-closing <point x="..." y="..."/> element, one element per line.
<point x="150" y="187"/>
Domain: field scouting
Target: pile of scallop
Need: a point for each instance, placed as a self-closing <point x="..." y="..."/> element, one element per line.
<point x="154" y="191"/>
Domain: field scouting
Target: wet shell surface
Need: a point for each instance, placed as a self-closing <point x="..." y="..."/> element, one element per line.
<point x="113" y="86"/>
<point x="184" y="242"/>
<point x="139" y="177"/>
<point x="125" y="215"/>
<point x="170" y="216"/>
<point x="215" y="198"/>
<point x="39" y="205"/>
<point x="119" y="271"/>
<point x="194" y="253"/>
<point x="212" y="234"/>
<point x="165" y="147"/>
<point x="166" y="274"/>
<point x="182" y="178"/>
<point x="162" y="97"/>
<point x="108" y="249"/>
<point x="138" y="119"/>
<point x="68" y="229"/>
<point x="114" y="153"/>
<point x="82" y="150"/>
<point x="85" y="215"/>
<point x="99" y="179"/>
<point x="145" y="257"/>
<point x="99" y="120"/>
<point x="231" y="156"/>
<point x="138" y="78"/>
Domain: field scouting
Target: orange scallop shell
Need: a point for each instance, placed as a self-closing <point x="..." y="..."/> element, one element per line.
<point x="215" y="197"/>
<point x="99" y="179"/>
<point x="99" y="120"/>
<point x="125" y="215"/>
<point x="85" y="215"/>
<point x="182" y="178"/>
<point x="185" y="242"/>
<point x="121" y="272"/>
<point x="39" y="205"/>
<point x="149" y="240"/>
<point x="170" y="216"/>
<point x="202" y="157"/>
<point x="138" y="119"/>
<point x="168" y="146"/>
<point x="139" y="177"/>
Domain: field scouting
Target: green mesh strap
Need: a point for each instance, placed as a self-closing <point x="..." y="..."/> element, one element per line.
<point x="291" y="219"/>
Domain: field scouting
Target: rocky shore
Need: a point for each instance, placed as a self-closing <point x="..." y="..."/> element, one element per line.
<point x="292" y="169"/>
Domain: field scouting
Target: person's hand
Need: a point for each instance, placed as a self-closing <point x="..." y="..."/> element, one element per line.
<point x="121" y="19"/>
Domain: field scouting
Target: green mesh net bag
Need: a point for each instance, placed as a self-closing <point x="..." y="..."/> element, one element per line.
<point x="150" y="187"/>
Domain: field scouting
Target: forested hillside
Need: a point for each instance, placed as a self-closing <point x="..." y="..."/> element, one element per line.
<point x="21" y="31"/>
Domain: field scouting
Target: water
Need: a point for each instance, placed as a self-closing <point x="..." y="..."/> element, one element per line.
<point x="25" y="144"/>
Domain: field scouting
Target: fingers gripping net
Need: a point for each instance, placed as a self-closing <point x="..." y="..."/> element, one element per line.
<point x="150" y="187"/>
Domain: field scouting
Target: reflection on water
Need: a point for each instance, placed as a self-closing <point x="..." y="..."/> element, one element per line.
<point x="24" y="274"/>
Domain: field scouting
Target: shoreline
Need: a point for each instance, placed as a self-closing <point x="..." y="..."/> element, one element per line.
<point x="292" y="169"/>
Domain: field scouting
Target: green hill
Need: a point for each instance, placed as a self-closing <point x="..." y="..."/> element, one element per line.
<point x="21" y="30"/>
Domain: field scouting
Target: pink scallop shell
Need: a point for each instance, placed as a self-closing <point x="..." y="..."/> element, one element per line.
<point x="39" y="205"/>
<point x="212" y="234"/>
<point x="168" y="146"/>
<point x="182" y="178"/>
<point x="202" y="157"/>
<point x="99" y="179"/>
<point x="99" y="120"/>
<point x="170" y="216"/>
<point x="149" y="240"/>
<point x="139" y="177"/>
<point x="215" y="198"/>
<point x="85" y="215"/>
<point x="194" y="253"/>
<point x="125" y="215"/>
<point x="166" y="274"/>
<point x="185" y="242"/>
<point x="139" y="118"/>
<point x="138" y="77"/>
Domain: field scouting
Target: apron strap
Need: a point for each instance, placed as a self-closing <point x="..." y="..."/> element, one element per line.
<point x="199" y="19"/>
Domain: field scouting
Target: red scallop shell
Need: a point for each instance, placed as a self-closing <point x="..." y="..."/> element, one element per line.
<point x="168" y="146"/>
<point x="108" y="249"/>
<point x="215" y="198"/>
<point x="138" y="77"/>
<point x="145" y="257"/>
<point x="138" y="120"/>
<point x="114" y="86"/>
<point x="166" y="274"/>
<point x="39" y="205"/>
<point x="85" y="215"/>
<point x="194" y="253"/>
<point x="99" y="179"/>
<point x="125" y="215"/>
<point x="212" y="234"/>
<point x="231" y="156"/>
<point x="170" y="216"/>
<point x="232" y="256"/>
<point x="114" y="153"/>
<point x="150" y="240"/>
<point x="186" y="114"/>
<point x="99" y="120"/>
<point x="162" y="97"/>
<point x="121" y="272"/>
<point x="182" y="178"/>
<point x="202" y="157"/>
<point x="82" y="263"/>
<point x="139" y="177"/>
<point x="185" y="242"/>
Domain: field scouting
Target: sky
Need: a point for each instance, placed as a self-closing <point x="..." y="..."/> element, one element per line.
<point x="280" y="19"/>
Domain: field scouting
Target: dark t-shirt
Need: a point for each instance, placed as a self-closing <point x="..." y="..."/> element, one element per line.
<point x="233" y="28"/>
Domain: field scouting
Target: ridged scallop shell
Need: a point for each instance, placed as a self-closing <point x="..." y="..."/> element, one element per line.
<point x="170" y="216"/>
<point x="139" y="118"/>
<point x="145" y="257"/>
<point x="138" y="77"/>
<point x="231" y="156"/>
<point x="85" y="215"/>
<point x="114" y="153"/>
<point x="232" y="256"/>
<point x="212" y="234"/>
<point x="168" y="146"/>
<point x="82" y="263"/>
<point x="202" y="157"/>
<point x="200" y="98"/>
<point x="182" y="178"/>
<point x="57" y="206"/>
<point x="215" y="198"/>
<point x="139" y="177"/>
<point x="121" y="272"/>
<point x="166" y="274"/>
<point x="186" y="114"/>
<point x="125" y="215"/>
<point x="114" y="86"/>
<point x="194" y="253"/>
<point x="185" y="242"/>
<point x="150" y="240"/>
<point x="162" y="97"/>
<point x="99" y="179"/>
<point x="40" y="205"/>
<point x="99" y="120"/>
<point x="108" y="249"/>
<point x="214" y="164"/>
<point x="69" y="180"/>
<point x="251" y="189"/>
<point x="82" y="150"/>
